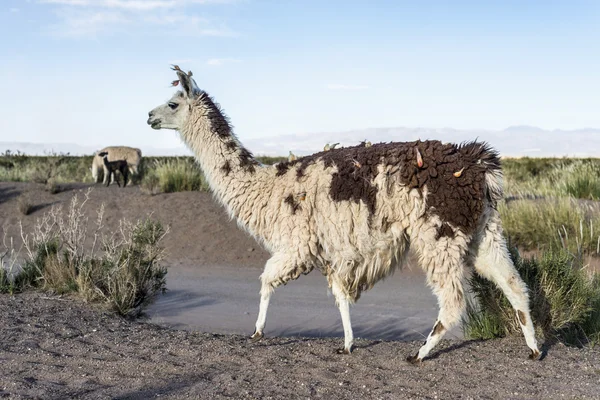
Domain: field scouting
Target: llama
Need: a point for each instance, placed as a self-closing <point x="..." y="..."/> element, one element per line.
<point x="113" y="166"/>
<point x="353" y="212"/>
<point x="132" y="155"/>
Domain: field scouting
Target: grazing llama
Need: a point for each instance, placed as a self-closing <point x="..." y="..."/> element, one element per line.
<point x="353" y="212"/>
<point x="113" y="166"/>
<point x="132" y="155"/>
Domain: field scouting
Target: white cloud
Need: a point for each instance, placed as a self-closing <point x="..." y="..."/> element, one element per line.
<point x="13" y="10"/>
<point x="140" y="5"/>
<point x="335" y="86"/>
<point x="93" y="17"/>
<point x="217" y="62"/>
<point x="84" y="23"/>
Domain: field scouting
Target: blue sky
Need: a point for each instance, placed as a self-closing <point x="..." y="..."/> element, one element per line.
<point x="88" y="71"/>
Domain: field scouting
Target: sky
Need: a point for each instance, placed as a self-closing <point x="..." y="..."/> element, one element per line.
<point x="88" y="71"/>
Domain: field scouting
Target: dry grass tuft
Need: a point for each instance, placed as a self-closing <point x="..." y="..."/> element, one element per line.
<point x="121" y="269"/>
<point x="24" y="204"/>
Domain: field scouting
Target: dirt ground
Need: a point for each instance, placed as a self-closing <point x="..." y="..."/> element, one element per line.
<point x="59" y="348"/>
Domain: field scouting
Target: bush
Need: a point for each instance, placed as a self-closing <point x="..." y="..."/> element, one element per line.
<point x="580" y="180"/>
<point x="124" y="272"/>
<point x="565" y="301"/>
<point x="561" y="223"/>
<point x="175" y="175"/>
<point x="24" y="204"/>
<point x="52" y="187"/>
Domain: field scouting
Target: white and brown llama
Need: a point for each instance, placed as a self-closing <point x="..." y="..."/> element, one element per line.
<point x="353" y="212"/>
<point x="132" y="155"/>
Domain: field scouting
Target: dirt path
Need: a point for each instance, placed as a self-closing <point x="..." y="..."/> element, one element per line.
<point x="58" y="348"/>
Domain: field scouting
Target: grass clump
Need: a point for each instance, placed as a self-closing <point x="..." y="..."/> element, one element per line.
<point x="52" y="187"/>
<point x="564" y="301"/>
<point x="580" y="180"/>
<point x="175" y="175"/>
<point x="24" y="204"/>
<point x="552" y="177"/>
<point x="121" y="269"/>
<point x="559" y="223"/>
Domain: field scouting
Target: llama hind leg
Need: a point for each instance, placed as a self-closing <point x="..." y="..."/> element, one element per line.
<point x="125" y="173"/>
<point x="443" y="261"/>
<point x="493" y="262"/>
<point x="343" y="304"/>
<point x="278" y="271"/>
<point x="450" y="295"/>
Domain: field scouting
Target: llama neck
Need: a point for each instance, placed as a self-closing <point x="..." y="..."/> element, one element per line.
<point x="230" y="169"/>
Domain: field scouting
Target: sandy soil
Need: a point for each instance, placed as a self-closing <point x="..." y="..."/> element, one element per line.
<point x="57" y="348"/>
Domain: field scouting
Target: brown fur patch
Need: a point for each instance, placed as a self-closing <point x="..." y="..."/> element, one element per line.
<point x="522" y="317"/>
<point x="438" y="328"/>
<point x="282" y="168"/>
<point x="226" y="168"/>
<point x="291" y="201"/>
<point x="455" y="200"/>
<point x="445" y="230"/>
<point x="247" y="162"/>
<point x="218" y="120"/>
<point x="385" y="224"/>
<point x="221" y="126"/>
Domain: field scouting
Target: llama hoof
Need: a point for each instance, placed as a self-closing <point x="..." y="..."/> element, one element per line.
<point x="535" y="354"/>
<point x="343" y="351"/>
<point x="414" y="359"/>
<point x="256" y="336"/>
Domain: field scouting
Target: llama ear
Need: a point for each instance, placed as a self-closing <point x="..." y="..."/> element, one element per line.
<point x="188" y="84"/>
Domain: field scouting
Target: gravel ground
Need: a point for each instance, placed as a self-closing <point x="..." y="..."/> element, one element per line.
<point x="58" y="348"/>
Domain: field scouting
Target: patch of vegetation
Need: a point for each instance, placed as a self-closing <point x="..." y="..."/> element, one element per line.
<point x="564" y="300"/>
<point x="121" y="269"/>
<point x="24" y="204"/>
<point x="559" y="223"/>
<point x="176" y="175"/>
<point x="52" y="187"/>
<point x="552" y="177"/>
<point x="155" y="174"/>
<point x="61" y="168"/>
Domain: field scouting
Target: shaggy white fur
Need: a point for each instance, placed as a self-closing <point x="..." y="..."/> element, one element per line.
<point x="353" y="213"/>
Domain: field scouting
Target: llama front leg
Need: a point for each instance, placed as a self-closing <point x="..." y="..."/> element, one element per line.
<point x="343" y="304"/>
<point x="493" y="262"/>
<point x="279" y="269"/>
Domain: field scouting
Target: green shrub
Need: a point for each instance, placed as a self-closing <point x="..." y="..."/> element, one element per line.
<point x="24" y="204"/>
<point x="173" y="175"/>
<point x="124" y="273"/>
<point x="580" y="179"/>
<point x="552" y="224"/>
<point x="564" y="301"/>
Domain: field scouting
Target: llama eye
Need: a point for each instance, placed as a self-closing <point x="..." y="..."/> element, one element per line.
<point x="173" y="106"/>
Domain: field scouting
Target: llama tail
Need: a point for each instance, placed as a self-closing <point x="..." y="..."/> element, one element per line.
<point x="490" y="159"/>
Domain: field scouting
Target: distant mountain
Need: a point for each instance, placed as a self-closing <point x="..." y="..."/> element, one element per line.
<point x="515" y="141"/>
<point x="78" y="150"/>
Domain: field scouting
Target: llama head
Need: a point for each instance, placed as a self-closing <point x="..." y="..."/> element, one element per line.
<point x="103" y="154"/>
<point x="174" y="113"/>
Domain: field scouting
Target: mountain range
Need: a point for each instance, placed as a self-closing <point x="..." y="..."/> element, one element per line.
<point x="515" y="141"/>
